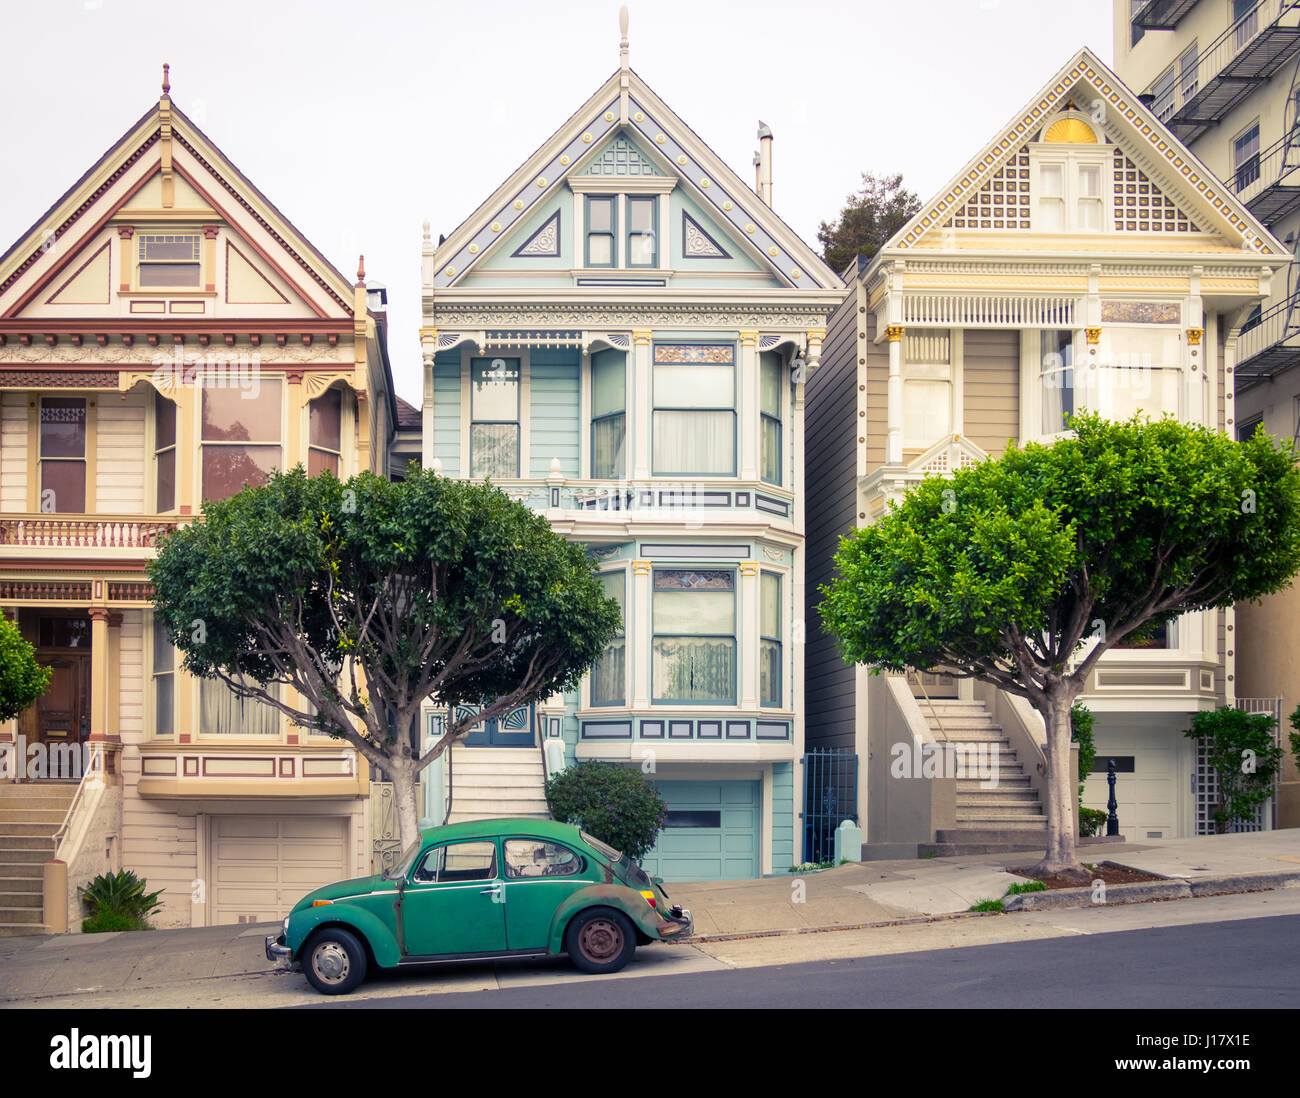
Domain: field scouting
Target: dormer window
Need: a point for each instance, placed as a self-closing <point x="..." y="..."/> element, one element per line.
<point x="602" y="214"/>
<point x="170" y="260"/>
<point x="1072" y="171"/>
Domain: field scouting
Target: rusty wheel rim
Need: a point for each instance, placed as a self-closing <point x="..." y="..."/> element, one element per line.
<point x="601" y="940"/>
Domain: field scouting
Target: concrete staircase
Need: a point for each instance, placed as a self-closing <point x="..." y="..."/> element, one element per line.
<point x="1005" y="818"/>
<point x="30" y="814"/>
<point x="487" y="782"/>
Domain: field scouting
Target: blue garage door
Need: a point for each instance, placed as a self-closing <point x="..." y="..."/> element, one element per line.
<point x="711" y="835"/>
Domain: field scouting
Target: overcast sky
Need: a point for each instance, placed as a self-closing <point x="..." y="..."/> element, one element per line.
<point x="359" y="120"/>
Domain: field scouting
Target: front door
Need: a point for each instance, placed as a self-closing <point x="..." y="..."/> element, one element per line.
<point x="515" y="729"/>
<point x="453" y="903"/>
<point x="62" y="714"/>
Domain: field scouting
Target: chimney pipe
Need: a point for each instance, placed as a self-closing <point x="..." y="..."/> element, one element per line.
<point x="764" y="162"/>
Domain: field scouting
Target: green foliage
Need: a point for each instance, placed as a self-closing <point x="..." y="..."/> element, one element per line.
<point x="1024" y="886"/>
<point x="1081" y="721"/>
<point x="115" y="900"/>
<point x="1242" y="751"/>
<point x="1294" y="737"/>
<point x="1092" y="821"/>
<point x="986" y="905"/>
<point x="867" y="221"/>
<point x="434" y="589"/>
<point x="814" y="867"/>
<point x="613" y="803"/>
<point x="22" y="679"/>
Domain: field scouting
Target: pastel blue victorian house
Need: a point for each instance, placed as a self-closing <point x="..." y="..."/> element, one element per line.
<point x="619" y="336"/>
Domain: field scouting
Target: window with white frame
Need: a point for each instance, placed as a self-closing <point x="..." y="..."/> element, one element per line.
<point x="694" y="636"/>
<point x="325" y="433"/>
<point x="609" y="675"/>
<point x="693" y="427"/>
<point x="769" y="645"/>
<point x="1139" y="372"/>
<point x="608" y="414"/>
<point x="222" y="712"/>
<point x="241" y="437"/>
<point x="164" y="453"/>
<point x="602" y="230"/>
<point x="642" y="230"/>
<point x="927" y="388"/>
<point x="169" y="260"/>
<point x="1164" y="93"/>
<point x="494" y="418"/>
<point x="1245" y="157"/>
<point x="1071" y="192"/>
<point x="164" y="680"/>
<point x="1188" y="73"/>
<point x="1056" y="376"/>
<point x="770" y="404"/>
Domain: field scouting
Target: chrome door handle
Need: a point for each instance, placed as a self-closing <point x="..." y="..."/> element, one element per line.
<point x="488" y="891"/>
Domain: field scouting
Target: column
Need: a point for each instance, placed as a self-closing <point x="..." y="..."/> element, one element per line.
<point x="748" y="405"/>
<point x="747" y="635"/>
<point x="640" y="413"/>
<point x="894" y="404"/>
<point x="114" y="725"/>
<point x="428" y="351"/>
<point x="639" y="630"/>
<point x="296" y="397"/>
<point x="99" y="672"/>
<point x="1194" y="366"/>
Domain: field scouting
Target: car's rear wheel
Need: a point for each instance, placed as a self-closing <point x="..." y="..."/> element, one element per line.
<point x="334" y="961"/>
<point x="600" y="940"/>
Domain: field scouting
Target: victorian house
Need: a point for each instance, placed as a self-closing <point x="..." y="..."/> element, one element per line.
<point x="1082" y="259"/>
<point x="167" y="335"/>
<point x="620" y="336"/>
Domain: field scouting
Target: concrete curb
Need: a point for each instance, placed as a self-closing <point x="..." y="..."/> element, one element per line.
<point x="915" y="920"/>
<point x="1144" y="891"/>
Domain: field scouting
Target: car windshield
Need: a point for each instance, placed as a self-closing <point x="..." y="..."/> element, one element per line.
<point x="403" y="866"/>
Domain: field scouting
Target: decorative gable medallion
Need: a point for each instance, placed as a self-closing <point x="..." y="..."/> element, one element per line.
<point x="621" y="158"/>
<point x="697" y="243"/>
<point x="545" y="242"/>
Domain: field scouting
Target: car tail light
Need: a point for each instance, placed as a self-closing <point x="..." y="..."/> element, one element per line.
<point x="649" y="897"/>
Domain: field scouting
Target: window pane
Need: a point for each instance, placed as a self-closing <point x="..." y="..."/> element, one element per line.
<point x="600" y="251"/>
<point x="164" y="705"/>
<point x="640" y="214"/>
<point x="494" y="389"/>
<point x="169" y="274"/>
<point x="166" y="472"/>
<point x="1051" y="216"/>
<point x="771" y="442"/>
<point x="694" y="386"/>
<point x="769" y="673"/>
<point x="63" y="486"/>
<point x="233" y="415"/>
<point x="164" y="418"/>
<point x="609" y="447"/>
<point x="227" y="468"/>
<point x="695" y="443"/>
<point x="327" y="420"/>
<point x="927" y="411"/>
<point x="224" y="713"/>
<point x="164" y="655"/>
<point x="600" y="215"/>
<point x="494" y="450"/>
<point x="608" y="686"/>
<point x="769" y="384"/>
<point x="164" y="246"/>
<point x="1051" y="181"/>
<point x="608" y="382"/>
<point x="695" y="612"/>
<point x="533" y="858"/>
<point x="1089" y="214"/>
<point x="1057" y="379"/>
<point x="687" y="669"/>
<point x="770" y="596"/>
<point x="641" y="250"/>
<point x="1090" y="180"/>
<point x="63" y="427"/>
<point x="318" y="461"/>
<point x="468" y="862"/>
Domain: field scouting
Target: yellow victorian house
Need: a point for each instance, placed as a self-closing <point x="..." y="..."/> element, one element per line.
<point x="166" y="336"/>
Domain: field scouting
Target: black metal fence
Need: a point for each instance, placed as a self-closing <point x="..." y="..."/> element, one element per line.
<point x="830" y="796"/>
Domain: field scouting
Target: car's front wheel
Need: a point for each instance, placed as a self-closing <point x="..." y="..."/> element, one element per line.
<point x="600" y="940"/>
<point x="334" y="961"/>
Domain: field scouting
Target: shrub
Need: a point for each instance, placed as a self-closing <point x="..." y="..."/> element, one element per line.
<point x="1092" y="820"/>
<point x="1081" y="732"/>
<point x="118" y="901"/>
<point x="611" y="802"/>
<point x="1294" y="737"/>
<point x="1242" y="752"/>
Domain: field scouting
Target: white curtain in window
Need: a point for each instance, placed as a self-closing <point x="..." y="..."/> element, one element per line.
<point x="690" y="442"/>
<point x="694" y="669"/>
<point x="223" y="713"/>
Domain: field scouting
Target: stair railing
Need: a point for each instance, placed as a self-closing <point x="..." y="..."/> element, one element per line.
<point x="94" y="774"/>
<point x="920" y="681"/>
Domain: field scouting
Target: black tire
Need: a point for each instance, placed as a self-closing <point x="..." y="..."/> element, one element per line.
<point x="600" y="940"/>
<point x="334" y="961"/>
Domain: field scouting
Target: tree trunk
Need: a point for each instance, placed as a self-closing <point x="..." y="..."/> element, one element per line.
<point x="1061" y="856"/>
<point x="402" y="774"/>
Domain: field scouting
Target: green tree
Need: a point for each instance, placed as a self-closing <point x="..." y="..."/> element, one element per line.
<point x="1244" y="756"/>
<point x="370" y="598"/>
<point x="613" y="803"/>
<point x="22" y="679"/>
<point x="869" y="218"/>
<point x="1022" y="571"/>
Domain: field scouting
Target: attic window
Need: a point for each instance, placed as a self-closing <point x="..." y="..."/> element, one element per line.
<point x="169" y="260"/>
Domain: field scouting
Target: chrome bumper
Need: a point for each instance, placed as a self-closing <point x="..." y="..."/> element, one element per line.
<point x="276" y="950"/>
<point x="679" y="924"/>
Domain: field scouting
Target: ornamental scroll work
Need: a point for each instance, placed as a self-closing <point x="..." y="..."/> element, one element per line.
<point x="1140" y="312"/>
<point x="140" y="357"/>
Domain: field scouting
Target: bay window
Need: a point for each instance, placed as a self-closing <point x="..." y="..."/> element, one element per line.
<point x="325" y="435"/>
<point x="609" y="675"/>
<point x="770" y="663"/>
<point x="608" y="414"/>
<point x="494" y="418"/>
<point x="927" y="388"/>
<point x="222" y="712"/>
<point x="241" y="438"/>
<point x="769" y="407"/>
<point x="1139" y="371"/>
<point x="62" y="454"/>
<point x="1056" y="374"/>
<point x="164" y="453"/>
<point x="694" y="636"/>
<point x="694" y="418"/>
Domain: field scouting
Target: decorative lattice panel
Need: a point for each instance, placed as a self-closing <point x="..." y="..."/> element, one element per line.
<point x="1002" y="202"/>
<point x="621" y="157"/>
<point x="1140" y="206"/>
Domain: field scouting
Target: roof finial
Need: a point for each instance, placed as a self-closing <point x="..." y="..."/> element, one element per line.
<point x="426" y="229"/>
<point x="167" y="81"/>
<point x="622" y="45"/>
<point x="361" y="270"/>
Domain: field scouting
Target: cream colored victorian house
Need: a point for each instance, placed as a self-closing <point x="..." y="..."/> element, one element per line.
<point x="165" y="336"/>
<point x="1083" y="259"/>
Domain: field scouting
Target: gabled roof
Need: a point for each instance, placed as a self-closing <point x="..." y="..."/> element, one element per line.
<point x="1119" y="110"/>
<point x="626" y="103"/>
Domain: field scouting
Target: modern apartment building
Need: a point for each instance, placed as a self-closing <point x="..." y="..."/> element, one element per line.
<point x="1224" y="76"/>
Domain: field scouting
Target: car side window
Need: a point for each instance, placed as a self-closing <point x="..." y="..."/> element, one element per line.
<point x="457" y="863"/>
<point x="535" y="858"/>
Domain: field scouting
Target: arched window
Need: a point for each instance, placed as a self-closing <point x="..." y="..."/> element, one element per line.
<point x="1072" y="177"/>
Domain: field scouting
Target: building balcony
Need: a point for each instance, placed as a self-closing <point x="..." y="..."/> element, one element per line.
<point x="1232" y="67"/>
<point x="77" y="536"/>
<point x="1269" y="343"/>
<point x="1162" y="14"/>
<point x="1269" y="182"/>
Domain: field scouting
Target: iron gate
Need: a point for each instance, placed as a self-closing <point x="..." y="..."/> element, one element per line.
<point x="830" y="796"/>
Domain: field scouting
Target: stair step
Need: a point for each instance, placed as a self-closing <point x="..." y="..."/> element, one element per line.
<point x="9" y="886"/>
<point x="17" y="915"/>
<point x="21" y="899"/>
<point x="17" y="930"/>
<point x="1003" y="821"/>
<point x="1007" y="782"/>
<point x="42" y="841"/>
<point x="988" y="798"/>
<point x="12" y="856"/>
<point x="991" y="834"/>
<point x="484" y="780"/>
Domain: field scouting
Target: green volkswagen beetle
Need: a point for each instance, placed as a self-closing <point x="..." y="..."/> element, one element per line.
<point x="481" y="890"/>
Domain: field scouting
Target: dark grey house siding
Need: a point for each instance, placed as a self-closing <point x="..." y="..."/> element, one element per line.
<point x="830" y="494"/>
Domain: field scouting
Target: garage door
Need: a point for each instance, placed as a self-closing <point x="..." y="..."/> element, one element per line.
<point x="1147" y="787"/>
<point x="263" y="865"/>
<point x="711" y="834"/>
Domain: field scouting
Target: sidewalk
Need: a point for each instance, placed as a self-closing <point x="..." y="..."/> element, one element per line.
<point x="849" y="896"/>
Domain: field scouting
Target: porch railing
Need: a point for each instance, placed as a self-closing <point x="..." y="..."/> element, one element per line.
<point x="43" y="531"/>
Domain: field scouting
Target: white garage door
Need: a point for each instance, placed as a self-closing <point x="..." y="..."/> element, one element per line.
<point x="263" y="865"/>
<point x="1152" y="796"/>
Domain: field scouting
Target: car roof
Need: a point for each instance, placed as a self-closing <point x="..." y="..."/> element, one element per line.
<point x="514" y="825"/>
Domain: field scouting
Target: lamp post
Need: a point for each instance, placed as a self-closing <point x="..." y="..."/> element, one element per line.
<point x="1112" y="820"/>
